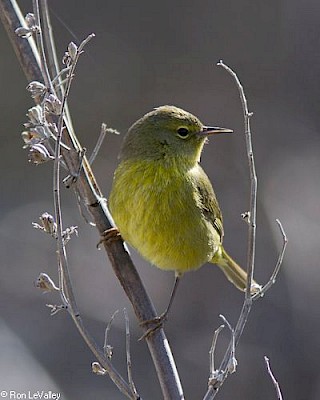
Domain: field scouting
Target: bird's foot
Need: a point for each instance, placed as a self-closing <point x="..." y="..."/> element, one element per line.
<point x="110" y="235"/>
<point x="157" y="323"/>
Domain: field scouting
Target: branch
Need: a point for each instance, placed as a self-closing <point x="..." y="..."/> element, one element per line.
<point x="253" y="181"/>
<point x="53" y="63"/>
<point x="276" y="270"/>
<point x="103" y="131"/>
<point x="128" y="353"/>
<point x="222" y="373"/>
<point x="88" y="190"/>
<point x="274" y="381"/>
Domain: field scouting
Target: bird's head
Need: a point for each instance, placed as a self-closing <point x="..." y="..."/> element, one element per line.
<point x="168" y="133"/>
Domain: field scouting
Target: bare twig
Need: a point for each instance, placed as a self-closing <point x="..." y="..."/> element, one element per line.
<point x="212" y="351"/>
<point x="39" y="40"/>
<point x="103" y="132"/>
<point x="253" y="180"/>
<point x="250" y="217"/>
<point x="213" y="390"/>
<point x="276" y="270"/>
<point x="274" y="381"/>
<point x="65" y="281"/>
<point x="107" y="348"/>
<point x="128" y="355"/>
<point x="53" y="64"/>
<point x="48" y="42"/>
<point x="232" y="364"/>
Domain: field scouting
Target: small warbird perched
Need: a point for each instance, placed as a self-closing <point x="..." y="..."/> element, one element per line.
<point x="163" y="202"/>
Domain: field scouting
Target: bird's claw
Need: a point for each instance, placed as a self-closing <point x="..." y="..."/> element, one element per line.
<point x="110" y="235"/>
<point x="157" y="322"/>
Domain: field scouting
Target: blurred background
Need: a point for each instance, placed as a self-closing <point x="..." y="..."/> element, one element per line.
<point x="146" y="54"/>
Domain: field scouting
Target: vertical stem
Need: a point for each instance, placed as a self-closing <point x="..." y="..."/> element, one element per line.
<point x="247" y="304"/>
<point x="53" y="64"/>
<point x="39" y="39"/>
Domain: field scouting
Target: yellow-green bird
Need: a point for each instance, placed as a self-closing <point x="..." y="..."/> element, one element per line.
<point x="162" y="200"/>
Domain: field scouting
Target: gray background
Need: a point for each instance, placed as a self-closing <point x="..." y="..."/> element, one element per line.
<point x="145" y="54"/>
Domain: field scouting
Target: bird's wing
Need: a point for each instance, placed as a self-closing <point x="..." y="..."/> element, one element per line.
<point x="208" y="201"/>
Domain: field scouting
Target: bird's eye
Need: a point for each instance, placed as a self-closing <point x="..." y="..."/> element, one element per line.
<point x="183" y="132"/>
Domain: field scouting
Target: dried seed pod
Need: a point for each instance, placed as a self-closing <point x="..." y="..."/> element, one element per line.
<point x="98" y="369"/>
<point x="36" y="88"/>
<point x="53" y="104"/>
<point x="72" y="50"/>
<point x="31" y="137"/>
<point x="35" y="115"/>
<point x="30" y="21"/>
<point x="23" y="32"/>
<point x="45" y="283"/>
<point x="39" y="154"/>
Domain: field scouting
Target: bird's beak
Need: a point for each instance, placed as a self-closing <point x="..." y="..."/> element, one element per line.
<point x="211" y="130"/>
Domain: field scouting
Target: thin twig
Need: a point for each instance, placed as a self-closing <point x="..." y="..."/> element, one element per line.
<point x="53" y="64"/>
<point x="128" y="355"/>
<point x="232" y="364"/>
<point x="253" y="180"/>
<point x="213" y="351"/>
<point x="228" y="358"/>
<point x="56" y="81"/>
<point x="65" y="281"/>
<point x="103" y="132"/>
<point x="39" y="39"/>
<point x="274" y="381"/>
<point x="276" y="270"/>
<point x="107" y="348"/>
<point x="82" y="210"/>
<point x="66" y="287"/>
<point x="48" y="42"/>
<point x="212" y="391"/>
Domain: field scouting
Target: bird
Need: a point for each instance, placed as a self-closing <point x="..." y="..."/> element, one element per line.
<point x="162" y="201"/>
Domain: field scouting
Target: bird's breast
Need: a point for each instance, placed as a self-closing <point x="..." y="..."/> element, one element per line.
<point x="156" y="208"/>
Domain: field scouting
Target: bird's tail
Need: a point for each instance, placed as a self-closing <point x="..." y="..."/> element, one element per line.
<point x="234" y="273"/>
